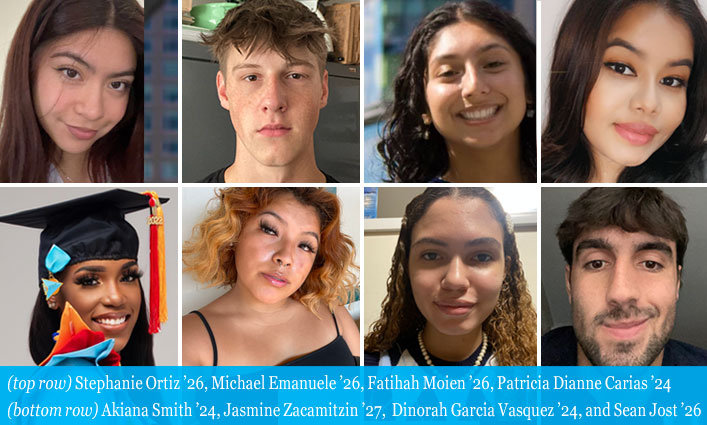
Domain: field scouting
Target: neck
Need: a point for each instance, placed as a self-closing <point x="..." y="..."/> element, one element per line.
<point x="453" y="348"/>
<point x="604" y="170"/>
<point x="246" y="169"/>
<point x="243" y="301"/>
<point x="73" y="168"/>
<point x="500" y="163"/>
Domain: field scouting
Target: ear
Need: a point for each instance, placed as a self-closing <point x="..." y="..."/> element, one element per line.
<point x="221" y="89"/>
<point x="568" y="285"/>
<point x="679" y="285"/>
<point x="325" y="89"/>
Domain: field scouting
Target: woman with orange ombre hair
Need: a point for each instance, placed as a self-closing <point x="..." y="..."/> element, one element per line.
<point x="288" y="266"/>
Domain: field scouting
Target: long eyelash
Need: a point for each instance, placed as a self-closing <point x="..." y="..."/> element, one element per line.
<point x="265" y="227"/>
<point x="309" y="246"/>
<point x="87" y="280"/>
<point x="134" y="274"/>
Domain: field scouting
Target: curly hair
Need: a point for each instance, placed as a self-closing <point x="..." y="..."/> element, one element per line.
<point x="576" y="63"/>
<point x="511" y="325"/>
<point x="280" y="25"/>
<point x="408" y="157"/>
<point x="210" y="254"/>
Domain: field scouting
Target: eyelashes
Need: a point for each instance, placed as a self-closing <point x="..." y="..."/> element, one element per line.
<point x="626" y="70"/>
<point x="93" y="279"/>
<point x="272" y="231"/>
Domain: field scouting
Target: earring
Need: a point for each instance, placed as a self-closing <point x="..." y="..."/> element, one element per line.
<point x="530" y="110"/>
<point x="51" y="303"/>
<point x="426" y="120"/>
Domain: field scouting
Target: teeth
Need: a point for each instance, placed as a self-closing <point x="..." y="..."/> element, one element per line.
<point x="112" y="322"/>
<point x="479" y="114"/>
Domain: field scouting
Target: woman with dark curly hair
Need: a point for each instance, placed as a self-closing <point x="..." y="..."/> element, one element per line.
<point x="289" y="269"/>
<point x="457" y="295"/>
<point x="464" y="100"/>
<point x="628" y="94"/>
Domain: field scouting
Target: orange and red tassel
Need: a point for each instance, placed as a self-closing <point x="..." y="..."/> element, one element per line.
<point x="158" y="283"/>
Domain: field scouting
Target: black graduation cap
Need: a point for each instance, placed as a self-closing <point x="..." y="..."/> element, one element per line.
<point x="88" y="228"/>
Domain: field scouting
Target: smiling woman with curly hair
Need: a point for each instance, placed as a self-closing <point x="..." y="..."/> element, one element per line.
<point x="456" y="291"/>
<point x="289" y="269"/>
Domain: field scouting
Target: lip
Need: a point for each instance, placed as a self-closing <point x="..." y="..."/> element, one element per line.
<point x="454" y="308"/>
<point x="274" y="130"/>
<point x="275" y="280"/>
<point x="479" y="115"/>
<point x="103" y="322"/>
<point x="636" y="133"/>
<point x="81" y="133"/>
<point x="627" y="329"/>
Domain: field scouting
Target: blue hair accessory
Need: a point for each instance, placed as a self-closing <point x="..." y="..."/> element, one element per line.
<point x="55" y="262"/>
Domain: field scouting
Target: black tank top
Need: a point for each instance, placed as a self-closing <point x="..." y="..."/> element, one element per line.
<point x="335" y="353"/>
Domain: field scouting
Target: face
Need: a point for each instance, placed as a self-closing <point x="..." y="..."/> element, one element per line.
<point x="475" y="87"/>
<point x="81" y="86"/>
<point x="623" y="288"/>
<point x="274" y="104"/>
<point x="456" y="264"/>
<point x="276" y="250"/>
<point x="639" y="98"/>
<point x="106" y="294"/>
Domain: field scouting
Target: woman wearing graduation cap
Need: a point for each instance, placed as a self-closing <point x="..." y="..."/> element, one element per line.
<point x="91" y="308"/>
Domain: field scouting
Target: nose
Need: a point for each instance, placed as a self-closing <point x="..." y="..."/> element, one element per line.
<point x="623" y="285"/>
<point x="90" y="104"/>
<point x="646" y="98"/>
<point x="274" y="95"/>
<point x="283" y="255"/>
<point x="455" y="278"/>
<point x="473" y="83"/>
<point x="113" y="295"/>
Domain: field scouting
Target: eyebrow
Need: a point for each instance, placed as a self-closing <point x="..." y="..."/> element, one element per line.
<point x="290" y="64"/>
<point x="605" y="245"/>
<point x="79" y="59"/>
<point x="101" y="269"/>
<point x="482" y="49"/>
<point x="468" y="244"/>
<point x="620" y="42"/>
<point x="280" y="219"/>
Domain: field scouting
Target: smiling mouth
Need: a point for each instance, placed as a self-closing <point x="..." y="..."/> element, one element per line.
<point x="81" y="133"/>
<point x="112" y="322"/>
<point x="479" y="114"/>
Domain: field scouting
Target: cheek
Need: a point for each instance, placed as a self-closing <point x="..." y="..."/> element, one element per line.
<point x="437" y="95"/>
<point x="674" y="111"/>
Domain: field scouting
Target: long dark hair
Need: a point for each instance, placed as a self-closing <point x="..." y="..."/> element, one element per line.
<point x="510" y="327"/>
<point x="25" y="148"/>
<point x="45" y="321"/>
<point x="579" y="49"/>
<point x="408" y="157"/>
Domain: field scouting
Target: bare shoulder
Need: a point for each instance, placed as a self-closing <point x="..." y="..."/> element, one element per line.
<point x="196" y="343"/>
<point x="348" y="329"/>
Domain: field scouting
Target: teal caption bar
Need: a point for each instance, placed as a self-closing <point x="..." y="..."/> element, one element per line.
<point x="350" y="395"/>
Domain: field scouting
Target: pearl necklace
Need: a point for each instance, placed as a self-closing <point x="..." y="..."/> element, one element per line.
<point x="479" y="358"/>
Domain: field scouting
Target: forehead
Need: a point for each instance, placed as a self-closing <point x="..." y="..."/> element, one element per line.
<point x="619" y="239"/>
<point x="652" y="29"/>
<point x="458" y="218"/>
<point x="466" y="38"/>
<point x="293" y="212"/>
<point x="106" y="46"/>
<point x="268" y="58"/>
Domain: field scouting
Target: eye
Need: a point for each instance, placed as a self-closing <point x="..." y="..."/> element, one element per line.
<point x="87" y="280"/>
<point x="483" y="257"/>
<point x="652" y="265"/>
<point x="595" y="265"/>
<point x="430" y="256"/>
<point x="296" y="76"/>
<point x="251" y="78"/>
<point x="269" y="230"/>
<point x="131" y="276"/>
<point x="494" y="64"/>
<point x="308" y="247"/>
<point x="69" y="73"/>
<point x="673" y="82"/>
<point x="620" y="68"/>
<point x="119" y="85"/>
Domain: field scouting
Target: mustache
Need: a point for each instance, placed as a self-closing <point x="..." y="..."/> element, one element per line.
<point x="624" y="312"/>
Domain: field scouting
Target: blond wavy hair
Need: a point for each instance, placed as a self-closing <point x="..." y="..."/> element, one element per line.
<point x="210" y="254"/>
<point x="511" y="327"/>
